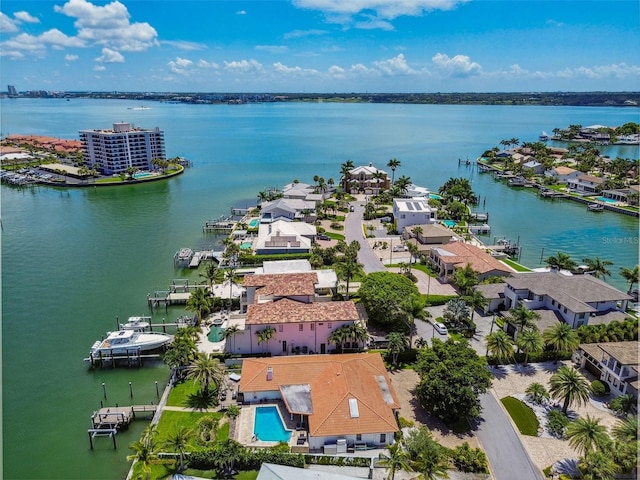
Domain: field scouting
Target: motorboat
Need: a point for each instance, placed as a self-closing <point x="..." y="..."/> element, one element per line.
<point x="183" y="257"/>
<point x="129" y="341"/>
<point x="595" y="207"/>
<point x="137" y="324"/>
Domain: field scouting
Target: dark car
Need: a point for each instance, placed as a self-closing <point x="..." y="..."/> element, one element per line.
<point x="323" y="237"/>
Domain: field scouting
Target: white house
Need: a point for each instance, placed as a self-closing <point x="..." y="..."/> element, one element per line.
<point x="575" y="298"/>
<point x="288" y="209"/>
<point x="613" y="362"/>
<point x="368" y="180"/>
<point x="562" y="174"/>
<point x="346" y="400"/>
<point x="414" y="190"/>
<point x="533" y="166"/>
<point x="283" y="236"/>
<point x="413" y="211"/>
<point x="586" y="184"/>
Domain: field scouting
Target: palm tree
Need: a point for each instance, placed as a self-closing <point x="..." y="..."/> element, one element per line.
<point x="530" y="341"/>
<point x="623" y="404"/>
<point x="143" y="453"/>
<point x="598" y="267"/>
<point x="403" y="184"/>
<point x="265" y="335"/>
<point x="465" y="278"/>
<point x="200" y="301"/>
<point x="523" y="318"/>
<point x="231" y="277"/>
<point x="587" y="435"/>
<point x="347" y="269"/>
<point x="393" y="164"/>
<point x="359" y="334"/>
<point x="626" y="430"/>
<point x="206" y="370"/>
<point x="431" y="463"/>
<point x="561" y="261"/>
<point x="417" y="231"/>
<point x="226" y="454"/>
<point x="338" y="337"/>
<point x="570" y="386"/>
<point x="561" y="338"/>
<point x="598" y="466"/>
<point x="231" y="332"/>
<point x="212" y="274"/>
<point x="537" y="393"/>
<point x="500" y="345"/>
<point x="398" y="342"/>
<point x="631" y="275"/>
<point x="178" y="441"/>
<point x="475" y="299"/>
<point x="345" y="171"/>
<point x="396" y="459"/>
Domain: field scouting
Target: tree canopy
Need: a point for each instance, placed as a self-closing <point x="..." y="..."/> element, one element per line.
<point x="388" y="297"/>
<point x="452" y="377"/>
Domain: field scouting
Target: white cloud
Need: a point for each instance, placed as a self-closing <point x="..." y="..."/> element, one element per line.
<point x="281" y="68"/>
<point x="205" y="64"/>
<point x="617" y="70"/>
<point x="37" y="45"/>
<point x="110" y="56"/>
<point x="385" y="9"/>
<point x="371" y="22"/>
<point x="243" y="66"/>
<point x="304" y="33"/>
<point x="241" y="12"/>
<point x="71" y="58"/>
<point x="180" y="65"/>
<point x="272" y="48"/>
<point x="554" y="23"/>
<point x="99" y="68"/>
<point x="395" y="66"/>
<point x="7" y="24"/>
<point x="184" y="45"/>
<point x="26" y="17"/>
<point x="458" y="66"/>
<point x="109" y="25"/>
<point x="56" y="38"/>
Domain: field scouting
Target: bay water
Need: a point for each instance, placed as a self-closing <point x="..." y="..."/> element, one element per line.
<point x="76" y="260"/>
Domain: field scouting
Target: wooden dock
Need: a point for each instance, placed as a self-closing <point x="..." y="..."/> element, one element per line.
<point x="222" y="225"/>
<point x="132" y="358"/>
<point x="108" y="421"/>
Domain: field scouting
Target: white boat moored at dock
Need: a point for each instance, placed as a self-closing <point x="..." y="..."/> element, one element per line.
<point x="123" y="342"/>
<point x="137" y="324"/>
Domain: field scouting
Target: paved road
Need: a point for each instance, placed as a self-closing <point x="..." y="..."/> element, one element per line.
<point x="508" y="458"/>
<point x="353" y="231"/>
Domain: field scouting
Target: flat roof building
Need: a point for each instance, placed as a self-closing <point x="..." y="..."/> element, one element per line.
<point x="125" y="146"/>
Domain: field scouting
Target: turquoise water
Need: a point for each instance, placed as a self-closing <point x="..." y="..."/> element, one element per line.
<point x="268" y="425"/>
<point x="254" y="223"/>
<point x="435" y="196"/>
<point x="246" y="245"/>
<point x="215" y="334"/>
<point x="449" y="223"/>
<point x="142" y="175"/>
<point x="74" y="261"/>
<point x="605" y="199"/>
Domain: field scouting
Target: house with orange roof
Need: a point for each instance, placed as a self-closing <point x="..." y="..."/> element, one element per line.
<point x="562" y="174"/>
<point x="296" y="308"/>
<point x="338" y="399"/>
<point x="448" y="258"/>
<point x="585" y="184"/>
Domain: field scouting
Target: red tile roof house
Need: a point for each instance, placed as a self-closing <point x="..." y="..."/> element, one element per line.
<point x="448" y="258"/>
<point x="295" y="306"/>
<point x="345" y="397"/>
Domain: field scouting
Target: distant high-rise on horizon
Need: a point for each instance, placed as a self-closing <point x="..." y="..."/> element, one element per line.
<point x="114" y="151"/>
<point x="11" y="90"/>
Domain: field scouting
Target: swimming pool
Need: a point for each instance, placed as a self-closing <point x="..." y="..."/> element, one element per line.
<point x="268" y="425"/>
<point x="246" y="245"/>
<point x="215" y="334"/>
<point x="254" y="223"/>
<point x="435" y="196"/>
<point x="606" y="200"/>
<point x="142" y="175"/>
<point x="449" y="223"/>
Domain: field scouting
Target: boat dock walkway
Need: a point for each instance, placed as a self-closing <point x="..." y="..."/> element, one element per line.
<point x="198" y="257"/>
<point x="222" y="225"/>
<point x="108" y="421"/>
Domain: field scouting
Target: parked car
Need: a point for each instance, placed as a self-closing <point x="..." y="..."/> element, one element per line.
<point x="322" y="236"/>
<point x="385" y="219"/>
<point x="440" y="328"/>
<point x="400" y="248"/>
<point x="351" y="208"/>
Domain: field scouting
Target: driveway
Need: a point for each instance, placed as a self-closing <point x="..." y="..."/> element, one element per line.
<point x="353" y="231"/>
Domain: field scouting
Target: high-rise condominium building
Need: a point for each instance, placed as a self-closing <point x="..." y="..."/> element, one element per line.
<point x="114" y="151"/>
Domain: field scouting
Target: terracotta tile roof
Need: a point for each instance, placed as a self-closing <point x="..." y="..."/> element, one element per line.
<point x="291" y="311"/>
<point x="334" y="380"/>
<point x="626" y="353"/>
<point x="479" y="260"/>
<point x="283" y="284"/>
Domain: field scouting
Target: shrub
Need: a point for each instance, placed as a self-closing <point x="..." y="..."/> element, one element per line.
<point x="467" y="459"/>
<point x="599" y="388"/>
<point x="405" y="422"/>
<point x="557" y="423"/>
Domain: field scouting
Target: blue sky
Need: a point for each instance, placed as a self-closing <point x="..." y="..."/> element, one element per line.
<point x="320" y="45"/>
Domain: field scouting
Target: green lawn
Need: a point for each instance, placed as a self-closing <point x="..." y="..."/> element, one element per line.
<point x="522" y="416"/>
<point x="516" y="266"/>
<point x="171" y="420"/>
<point x="334" y="236"/>
<point x="180" y="392"/>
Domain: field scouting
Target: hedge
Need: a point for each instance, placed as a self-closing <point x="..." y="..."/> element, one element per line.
<point x="337" y="461"/>
<point x="533" y="357"/>
<point x="260" y="259"/>
<point x="250" y="459"/>
<point x="433" y="300"/>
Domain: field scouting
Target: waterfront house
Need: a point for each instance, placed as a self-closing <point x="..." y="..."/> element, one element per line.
<point x="414" y="190"/>
<point x="288" y="209"/>
<point x="413" y="211"/>
<point x="493" y="294"/>
<point x="283" y="236"/>
<point x="627" y="195"/>
<point x="339" y="400"/>
<point x="615" y="363"/>
<point x="368" y="179"/>
<point x="585" y="184"/>
<point x="448" y="258"/>
<point x="304" y="191"/>
<point x="562" y="174"/>
<point x="533" y="166"/>
<point x="429" y="235"/>
<point x="577" y="299"/>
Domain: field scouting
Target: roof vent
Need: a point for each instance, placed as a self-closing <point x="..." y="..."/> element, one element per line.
<point x="353" y="408"/>
<point x="269" y="374"/>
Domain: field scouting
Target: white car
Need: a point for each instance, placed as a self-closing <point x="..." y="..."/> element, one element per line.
<point x="440" y="328"/>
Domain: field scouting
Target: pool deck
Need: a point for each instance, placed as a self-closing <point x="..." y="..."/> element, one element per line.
<point x="245" y="422"/>
<point x="203" y="343"/>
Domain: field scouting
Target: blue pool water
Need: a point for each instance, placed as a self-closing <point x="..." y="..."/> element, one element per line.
<point x="449" y="223"/>
<point x="246" y="245"/>
<point x="215" y="334"/>
<point x="254" y="223"/>
<point x="268" y="425"/>
<point x="605" y="199"/>
<point x="435" y="196"/>
<point x="142" y="175"/>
